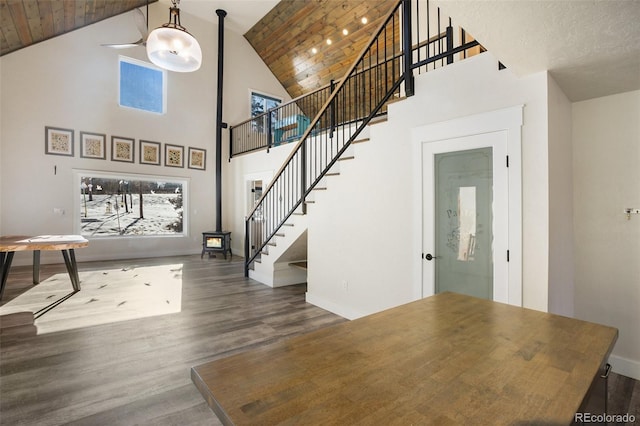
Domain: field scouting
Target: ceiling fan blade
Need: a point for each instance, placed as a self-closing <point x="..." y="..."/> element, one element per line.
<point x="140" y="42"/>
<point x="141" y="23"/>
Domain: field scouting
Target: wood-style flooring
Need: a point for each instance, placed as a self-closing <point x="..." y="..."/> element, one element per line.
<point x="138" y="372"/>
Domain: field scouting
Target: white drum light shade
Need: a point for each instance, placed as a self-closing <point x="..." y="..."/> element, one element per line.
<point x="174" y="49"/>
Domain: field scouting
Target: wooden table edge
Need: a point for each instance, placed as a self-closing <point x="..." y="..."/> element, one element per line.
<point x="212" y="402"/>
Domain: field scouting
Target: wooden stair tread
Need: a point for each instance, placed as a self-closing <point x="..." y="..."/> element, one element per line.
<point x="302" y="264"/>
<point x="361" y="140"/>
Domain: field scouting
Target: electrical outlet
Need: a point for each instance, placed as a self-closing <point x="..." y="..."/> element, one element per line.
<point x="58" y="211"/>
<point x="345" y="285"/>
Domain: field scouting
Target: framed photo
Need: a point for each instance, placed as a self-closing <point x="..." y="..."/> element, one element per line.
<point x="58" y="141"/>
<point x="92" y="145"/>
<point x="197" y="158"/>
<point x="173" y="155"/>
<point x="149" y="152"/>
<point x="122" y="149"/>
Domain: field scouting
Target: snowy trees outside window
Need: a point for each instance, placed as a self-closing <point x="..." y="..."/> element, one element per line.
<point x="119" y="205"/>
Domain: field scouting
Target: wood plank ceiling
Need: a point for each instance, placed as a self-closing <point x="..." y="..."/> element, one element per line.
<point x="285" y="37"/>
<point x="25" y="22"/>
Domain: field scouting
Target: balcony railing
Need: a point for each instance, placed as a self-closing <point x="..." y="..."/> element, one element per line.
<point x="287" y="122"/>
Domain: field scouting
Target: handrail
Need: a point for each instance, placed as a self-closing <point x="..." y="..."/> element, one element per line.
<point x="292" y="101"/>
<point x="323" y="109"/>
<point x="387" y="63"/>
<point x="302" y="99"/>
<point x="317" y="150"/>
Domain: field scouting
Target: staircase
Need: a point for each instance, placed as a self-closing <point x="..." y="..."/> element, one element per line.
<point x="282" y="261"/>
<point x="275" y="229"/>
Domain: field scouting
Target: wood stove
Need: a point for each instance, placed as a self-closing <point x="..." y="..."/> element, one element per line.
<point x="216" y="242"/>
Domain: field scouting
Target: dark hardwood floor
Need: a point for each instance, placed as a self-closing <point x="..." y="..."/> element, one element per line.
<point x="138" y="372"/>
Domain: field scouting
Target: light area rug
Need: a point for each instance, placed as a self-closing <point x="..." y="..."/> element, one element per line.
<point x="106" y="296"/>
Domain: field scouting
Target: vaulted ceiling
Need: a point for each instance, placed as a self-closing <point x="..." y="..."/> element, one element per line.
<point x="306" y="44"/>
<point x="589" y="46"/>
<point x="26" y="22"/>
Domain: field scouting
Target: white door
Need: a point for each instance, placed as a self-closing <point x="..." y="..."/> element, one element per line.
<point x="465" y="216"/>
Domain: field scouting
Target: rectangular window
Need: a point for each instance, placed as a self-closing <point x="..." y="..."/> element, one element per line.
<point x="142" y="86"/>
<point x="126" y="205"/>
<point x="261" y="103"/>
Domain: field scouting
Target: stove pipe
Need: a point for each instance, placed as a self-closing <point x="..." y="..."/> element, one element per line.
<point x="219" y="124"/>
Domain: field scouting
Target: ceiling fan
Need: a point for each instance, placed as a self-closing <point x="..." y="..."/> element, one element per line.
<point x="142" y="23"/>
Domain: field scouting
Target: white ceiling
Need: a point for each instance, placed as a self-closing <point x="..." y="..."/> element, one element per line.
<point x="590" y="47"/>
<point x="241" y="14"/>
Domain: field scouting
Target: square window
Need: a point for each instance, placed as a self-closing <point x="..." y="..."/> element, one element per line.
<point x="142" y="86"/>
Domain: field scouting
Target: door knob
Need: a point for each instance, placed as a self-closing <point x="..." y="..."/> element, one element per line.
<point x="428" y="256"/>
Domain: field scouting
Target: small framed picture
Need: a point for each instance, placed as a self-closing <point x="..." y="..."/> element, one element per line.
<point x="197" y="158"/>
<point x="58" y="141"/>
<point x="149" y="152"/>
<point x="122" y="149"/>
<point x="92" y="145"/>
<point x="173" y="155"/>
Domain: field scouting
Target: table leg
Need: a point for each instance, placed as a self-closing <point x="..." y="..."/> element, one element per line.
<point x="72" y="268"/>
<point x="5" y="262"/>
<point x="36" y="267"/>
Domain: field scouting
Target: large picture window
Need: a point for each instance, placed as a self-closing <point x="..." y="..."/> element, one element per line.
<point x="116" y="205"/>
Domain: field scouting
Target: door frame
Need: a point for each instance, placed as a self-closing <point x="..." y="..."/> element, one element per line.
<point x="509" y="121"/>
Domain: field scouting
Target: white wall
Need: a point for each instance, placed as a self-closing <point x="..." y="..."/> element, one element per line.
<point x="71" y="82"/>
<point x="362" y="233"/>
<point x="606" y="151"/>
<point x="561" y="259"/>
<point x="236" y="110"/>
<point x="261" y="165"/>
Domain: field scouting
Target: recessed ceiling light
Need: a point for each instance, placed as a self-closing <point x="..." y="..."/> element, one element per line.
<point x="364" y="20"/>
<point x="314" y="50"/>
<point x="345" y="31"/>
<point x="329" y="41"/>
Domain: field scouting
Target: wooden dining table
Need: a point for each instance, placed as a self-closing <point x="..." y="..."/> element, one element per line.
<point x="445" y="359"/>
<point x="65" y="243"/>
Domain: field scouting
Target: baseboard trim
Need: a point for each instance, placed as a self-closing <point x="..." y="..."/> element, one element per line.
<point x="333" y="307"/>
<point x="624" y="366"/>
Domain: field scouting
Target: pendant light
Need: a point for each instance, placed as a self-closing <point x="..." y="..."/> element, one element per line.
<point x="171" y="47"/>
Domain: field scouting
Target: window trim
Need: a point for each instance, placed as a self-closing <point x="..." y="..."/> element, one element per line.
<point x="77" y="204"/>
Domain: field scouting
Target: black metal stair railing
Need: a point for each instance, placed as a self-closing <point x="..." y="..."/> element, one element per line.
<point x="341" y="111"/>
<point x="286" y="123"/>
<point x="369" y="83"/>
